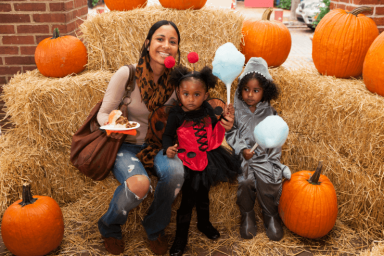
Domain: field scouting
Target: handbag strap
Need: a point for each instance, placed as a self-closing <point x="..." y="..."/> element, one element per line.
<point x="129" y="87"/>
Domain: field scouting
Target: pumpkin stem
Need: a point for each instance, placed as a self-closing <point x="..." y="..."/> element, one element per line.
<point x="267" y="14"/>
<point x="27" y="196"/>
<point x="315" y="177"/>
<point x="360" y="9"/>
<point x="56" y="33"/>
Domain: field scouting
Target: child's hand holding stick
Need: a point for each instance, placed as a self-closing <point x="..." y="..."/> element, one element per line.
<point x="228" y="117"/>
<point x="172" y="151"/>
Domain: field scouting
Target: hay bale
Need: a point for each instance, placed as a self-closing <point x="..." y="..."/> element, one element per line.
<point x="48" y="170"/>
<point x="114" y="39"/>
<point x="46" y="112"/>
<point x="340" y="122"/>
<point x="49" y="110"/>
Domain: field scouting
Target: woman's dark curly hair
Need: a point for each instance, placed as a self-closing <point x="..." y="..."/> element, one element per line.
<point x="181" y="73"/>
<point x="270" y="90"/>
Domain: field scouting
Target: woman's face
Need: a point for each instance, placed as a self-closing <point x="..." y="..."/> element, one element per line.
<point x="164" y="43"/>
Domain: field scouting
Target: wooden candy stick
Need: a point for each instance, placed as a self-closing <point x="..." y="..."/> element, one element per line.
<point x="254" y="147"/>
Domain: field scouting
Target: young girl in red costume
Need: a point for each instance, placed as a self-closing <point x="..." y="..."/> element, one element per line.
<point x="206" y="162"/>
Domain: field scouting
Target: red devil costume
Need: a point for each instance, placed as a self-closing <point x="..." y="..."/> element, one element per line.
<point x="199" y="138"/>
<point x="205" y="161"/>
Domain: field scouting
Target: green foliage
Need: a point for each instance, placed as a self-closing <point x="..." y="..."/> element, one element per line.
<point x="94" y="2"/>
<point x="323" y="11"/>
<point x="285" y="4"/>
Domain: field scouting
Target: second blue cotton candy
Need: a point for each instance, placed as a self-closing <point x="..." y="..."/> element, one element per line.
<point x="271" y="132"/>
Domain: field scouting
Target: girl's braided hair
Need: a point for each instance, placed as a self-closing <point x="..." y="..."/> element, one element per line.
<point x="271" y="91"/>
<point x="181" y="73"/>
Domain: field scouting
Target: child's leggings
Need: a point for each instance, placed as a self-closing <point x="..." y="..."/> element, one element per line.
<point x="190" y="198"/>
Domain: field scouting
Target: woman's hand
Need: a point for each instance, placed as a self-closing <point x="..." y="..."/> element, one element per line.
<point x="229" y="117"/>
<point x="172" y="151"/>
<point x="247" y="153"/>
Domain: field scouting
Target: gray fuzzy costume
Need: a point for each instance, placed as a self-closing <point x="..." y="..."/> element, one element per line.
<point x="263" y="172"/>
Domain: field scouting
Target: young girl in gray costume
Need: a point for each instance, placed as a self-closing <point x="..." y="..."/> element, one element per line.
<point x="262" y="170"/>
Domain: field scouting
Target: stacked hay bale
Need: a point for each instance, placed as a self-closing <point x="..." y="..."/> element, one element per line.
<point x="47" y="111"/>
<point x="340" y="122"/>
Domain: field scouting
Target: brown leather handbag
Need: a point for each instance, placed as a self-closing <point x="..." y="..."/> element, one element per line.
<point x="93" y="153"/>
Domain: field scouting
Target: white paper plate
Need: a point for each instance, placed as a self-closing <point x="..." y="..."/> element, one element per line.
<point x="113" y="128"/>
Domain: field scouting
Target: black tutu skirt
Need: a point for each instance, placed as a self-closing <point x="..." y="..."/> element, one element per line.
<point x="223" y="166"/>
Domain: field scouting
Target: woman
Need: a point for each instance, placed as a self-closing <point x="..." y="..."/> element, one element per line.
<point x="144" y="150"/>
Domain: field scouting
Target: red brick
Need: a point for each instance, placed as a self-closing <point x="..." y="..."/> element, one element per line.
<point x="57" y="17"/>
<point x="30" y="7"/>
<point x="344" y="1"/>
<point x="79" y="3"/>
<point x="20" y="60"/>
<point x="381" y="30"/>
<point x="18" y="40"/>
<point x="80" y="12"/>
<point x="7" y="29"/>
<point x="1" y="61"/>
<point x="27" y="50"/>
<point x="378" y="21"/>
<point x="9" y="70"/>
<point x="9" y="50"/>
<point x="2" y="81"/>
<point x="56" y="7"/>
<point x="341" y="6"/>
<point x="32" y="29"/>
<point x="379" y="10"/>
<point x="40" y="38"/>
<point x="351" y="8"/>
<point x="65" y="29"/>
<point x="365" y="2"/>
<point x="333" y="6"/>
<point x="28" y="68"/>
<point x="14" y="18"/>
<point x="5" y="8"/>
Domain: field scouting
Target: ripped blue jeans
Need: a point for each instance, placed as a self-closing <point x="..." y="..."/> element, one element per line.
<point x="170" y="174"/>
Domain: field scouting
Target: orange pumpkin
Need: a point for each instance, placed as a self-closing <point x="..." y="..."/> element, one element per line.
<point x="373" y="73"/>
<point x="60" y="55"/>
<point x="32" y="226"/>
<point x="308" y="204"/>
<point x="125" y="5"/>
<point x="183" y="4"/>
<point x="341" y="41"/>
<point x="268" y="39"/>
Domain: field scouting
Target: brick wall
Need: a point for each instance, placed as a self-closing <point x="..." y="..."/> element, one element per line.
<point x="24" y="23"/>
<point x="377" y="13"/>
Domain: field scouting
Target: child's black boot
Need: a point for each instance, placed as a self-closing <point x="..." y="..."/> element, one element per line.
<point x="248" y="228"/>
<point x="181" y="238"/>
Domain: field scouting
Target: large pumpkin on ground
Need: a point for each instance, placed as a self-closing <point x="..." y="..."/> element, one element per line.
<point x="32" y="226"/>
<point x="125" y="5"/>
<point x="308" y="204"/>
<point x="268" y="39"/>
<point x="183" y="4"/>
<point x="341" y="41"/>
<point x="60" y="55"/>
<point x="373" y="69"/>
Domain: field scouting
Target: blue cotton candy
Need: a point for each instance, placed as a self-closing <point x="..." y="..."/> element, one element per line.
<point x="271" y="132"/>
<point x="228" y="63"/>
